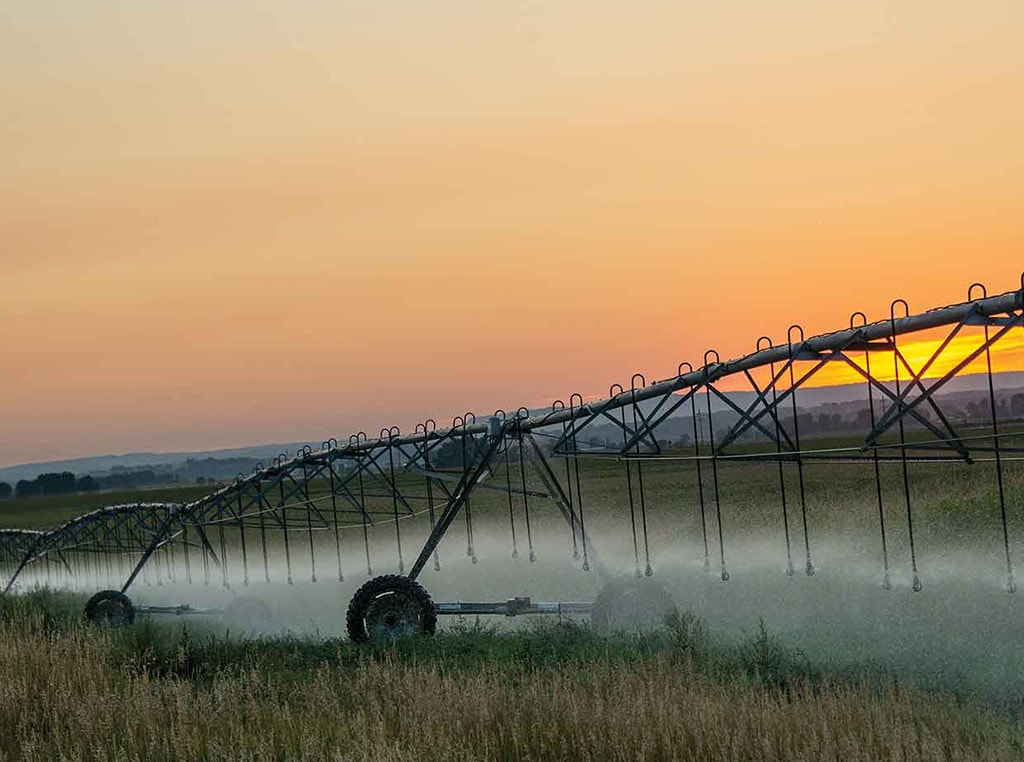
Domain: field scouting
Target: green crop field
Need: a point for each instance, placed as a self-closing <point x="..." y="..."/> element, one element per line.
<point x="50" y="512"/>
<point x="839" y="494"/>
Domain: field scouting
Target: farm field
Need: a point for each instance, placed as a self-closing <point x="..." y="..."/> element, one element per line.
<point x="50" y="512"/>
<point x="955" y="509"/>
<point x="750" y="489"/>
<point x="766" y="665"/>
<point x="547" y="692"/>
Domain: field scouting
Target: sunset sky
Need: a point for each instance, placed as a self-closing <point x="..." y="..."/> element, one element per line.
<point x="239" y="222"/>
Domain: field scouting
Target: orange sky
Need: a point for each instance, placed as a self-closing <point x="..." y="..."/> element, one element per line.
<point x="251" y="222"/>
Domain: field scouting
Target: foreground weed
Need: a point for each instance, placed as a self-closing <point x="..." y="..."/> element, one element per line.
<point x="546" y="692"/>
<point x="688" y="635"/>
<point x="764" y="659"/>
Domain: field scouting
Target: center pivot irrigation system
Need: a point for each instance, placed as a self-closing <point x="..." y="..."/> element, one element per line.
<point x="303" y="507"/>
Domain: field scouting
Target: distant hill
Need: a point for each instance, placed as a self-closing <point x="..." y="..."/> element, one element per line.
<point x="825" y="395"/>
<point x="102" y="464"/>
<point x="225" y="464"/>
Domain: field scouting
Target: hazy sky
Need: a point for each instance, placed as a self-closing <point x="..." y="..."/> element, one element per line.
<point x="236" y="222"/>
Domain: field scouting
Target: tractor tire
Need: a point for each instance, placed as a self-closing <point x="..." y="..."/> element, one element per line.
<point x="110" y="608"/>
<point x="388" y="608"/>
<point x="631" y="605"/>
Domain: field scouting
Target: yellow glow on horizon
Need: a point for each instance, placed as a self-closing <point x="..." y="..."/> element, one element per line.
<point x="1007" y="355"/>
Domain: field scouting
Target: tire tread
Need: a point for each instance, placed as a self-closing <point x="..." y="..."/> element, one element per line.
<point x="354" y="617"/>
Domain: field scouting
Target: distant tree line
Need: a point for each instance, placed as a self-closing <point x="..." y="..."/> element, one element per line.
<point x="204" y="471"/>
<point x="454" y="452"/>
<point x="66" y="483"/>
<point x="63" y="483"/>
<point x="212" y="470"/>
<point x="134" y="479"/>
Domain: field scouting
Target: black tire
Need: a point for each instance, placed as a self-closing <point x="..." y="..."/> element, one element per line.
<point x="249" y="613"/>
<point x="631" y="605"/>
<point x="388" y="608"/>
<point x="110" y="608"/>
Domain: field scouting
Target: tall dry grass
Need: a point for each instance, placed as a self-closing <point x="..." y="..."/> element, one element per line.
<point x="67" y="692"/>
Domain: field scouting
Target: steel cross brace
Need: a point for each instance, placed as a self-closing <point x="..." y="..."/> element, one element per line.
<point x="955" y="444"/>
<point x="900" y="407"/>
<point x="547" y="475"/>
<point x="749" y="417"/>
<point x="790" y="445"/>
<point x="455" y="503"/>
<point x="650" y="426"/>
<point x="589" y="415"/>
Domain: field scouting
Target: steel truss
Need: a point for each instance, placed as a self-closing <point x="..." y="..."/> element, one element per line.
<point x="15" y="544"/>
<point x="98" y="546"/>
<point x="363" y="484"/>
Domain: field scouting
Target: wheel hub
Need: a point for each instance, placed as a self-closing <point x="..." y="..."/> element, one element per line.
<point x="111" y="613"/>
<point x="392" y="615"/>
